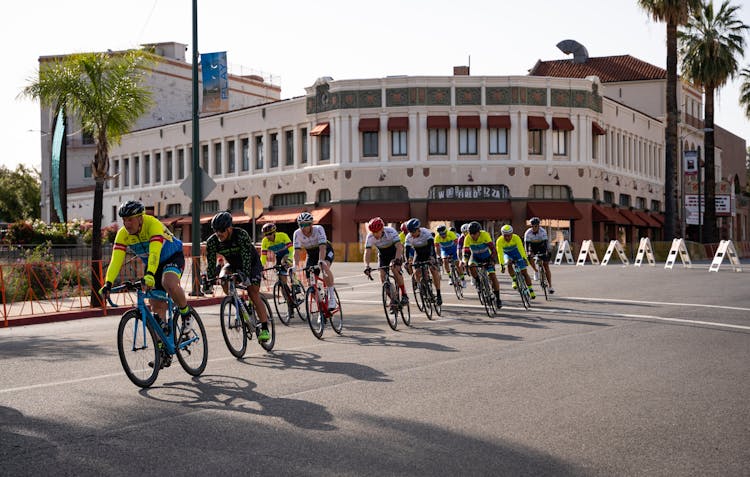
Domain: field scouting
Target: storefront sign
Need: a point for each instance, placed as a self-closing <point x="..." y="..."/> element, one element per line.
<point x="461" y="192"/>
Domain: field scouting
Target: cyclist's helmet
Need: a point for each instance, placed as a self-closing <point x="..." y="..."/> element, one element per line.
<point x="453" y="229"/>
<point x="221" y="221"/>
<point x="131" y="208"/>
<point x="506" y="229"/>
<point x="404" y="229"/>
<point x="465" y="228"/>
<point x="305" y="218"/>
<point x="413" y="224"/>
<point x="268" y="229"/>
<point x="535" y="221"/>
<point x="375" y="224"/>
<point x="442" y="230"/>
<point x="474" y="228"/>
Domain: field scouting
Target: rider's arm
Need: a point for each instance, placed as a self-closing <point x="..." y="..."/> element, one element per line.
<point x="118" y="256"/>
<point x="247" y="249"/>
<point x="367" y="257"/>
<point x="519" y="246"/>
<point x="155" y="234"/>
<point x="211" y="257"/>
<point x="399" y="251"/>
<point x="264" y="251"/>
<point x="493" y="251"/>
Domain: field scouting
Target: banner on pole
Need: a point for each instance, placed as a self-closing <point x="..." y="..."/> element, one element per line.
<point x="215" y="82"/>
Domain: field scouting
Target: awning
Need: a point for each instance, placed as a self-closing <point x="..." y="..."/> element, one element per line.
<point x="388" y="211"/>
<point x="438" y="122"/>
<point x="596" y="129"/>
<point x="468" y="122"/>
<point x="605" y="213"/>
<point x="659" y="217"/>
<point x="561" y="210"/>
<point x="498" y="122"/>
<point x="369" y="125"/>
<point x="650" y="221"/>
<point x="287" y="216"/>
<point x="398" y="124"/>
<point x="321" y="129"/>
<point x="242" y="219"/>
<point x="537" y="123"/>
<point x="186" y="220"/>
<point x="634" y="219"/>
<point x="562" y="124"/>
<point x="469" y="210"/>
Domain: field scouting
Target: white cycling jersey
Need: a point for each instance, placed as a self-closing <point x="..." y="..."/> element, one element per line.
<point x="315" y="240"/>
<point x="388" y="239"/>
<point x="425" y="235"/>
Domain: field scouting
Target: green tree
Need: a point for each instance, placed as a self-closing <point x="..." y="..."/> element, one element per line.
<point x="709" y="48"/>
<point x="745" y="90"/>
<point x="105" y="92"/>
<point x="674" y="13"/>
<point x="20" y="193"/>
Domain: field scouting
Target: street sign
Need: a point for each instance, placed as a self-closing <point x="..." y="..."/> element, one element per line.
<point x="207" y="185"/>
<point x="253" y="206"/>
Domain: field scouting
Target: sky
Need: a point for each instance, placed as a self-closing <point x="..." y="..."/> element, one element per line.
<point x="299" y="41"/>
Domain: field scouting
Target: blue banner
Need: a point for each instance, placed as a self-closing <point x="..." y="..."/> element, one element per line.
<point x="57" y="145"/>
<point x="215" y="82"/>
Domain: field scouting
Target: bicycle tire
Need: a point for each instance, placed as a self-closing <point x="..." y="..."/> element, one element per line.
<point x="336" y="316"/>
<point x="193" y="355"/>
<point x="283" y="306"/>
<point x="487" y="296"/>
<point x="232" y="327"/>
<point x="425" y="299"/>
<point x="543" y="281"/>
<point x="405" y="316"/>
<point x="135" y="351"/>
<point x="418" y="298"/>
<point x="268" y="345"/>
<point x="523" y="290"/>
<point x="433" y="298"/>
<point x="391" y="311"/>
<point x="315" y="318"/>
<point x="457" y="288"/>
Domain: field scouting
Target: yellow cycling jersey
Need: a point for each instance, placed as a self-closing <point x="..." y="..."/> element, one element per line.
<point x="153" y="244"/>
<point x="480" y="249"/>
<point x="447" y="243"/>
<point x="281" y="246"/>
<point x="513" y="248"/>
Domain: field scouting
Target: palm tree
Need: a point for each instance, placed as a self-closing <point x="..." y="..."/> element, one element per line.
<point x="102" y="90"/>
<point x="745" y="90"/>
<point x="674" y="13"/>
<point x="710" y="46"/>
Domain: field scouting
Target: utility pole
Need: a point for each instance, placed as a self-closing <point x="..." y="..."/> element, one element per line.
<point x="197" y="192"/>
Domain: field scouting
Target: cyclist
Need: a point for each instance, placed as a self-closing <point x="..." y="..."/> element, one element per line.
<point x="408" y="253"/>
<point x="161" y="253"/>
<point x="479" y="250"/>
<point x="239" y="253"/>
<point x="319" y="250"/>
<point x="512" y="248"/>
<point x="422" y="243"/>
<point x="278" y="245"/>
<point x="459" y="252"/>
<point x="535" y="243"/>
<point x="445" y="243"/>
<point x="390" y="252"/>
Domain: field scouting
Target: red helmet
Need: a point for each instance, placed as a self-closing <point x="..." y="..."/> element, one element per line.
<point x="375" y="224"/>
<point x="404" y="229"/>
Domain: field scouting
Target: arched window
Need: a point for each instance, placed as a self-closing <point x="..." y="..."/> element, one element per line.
<point x="384" y="193"/>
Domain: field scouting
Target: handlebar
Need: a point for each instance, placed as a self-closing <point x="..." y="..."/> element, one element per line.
<point x="137" y="286"/>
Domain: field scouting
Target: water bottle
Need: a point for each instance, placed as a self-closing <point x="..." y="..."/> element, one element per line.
<point x="245" y="314"/>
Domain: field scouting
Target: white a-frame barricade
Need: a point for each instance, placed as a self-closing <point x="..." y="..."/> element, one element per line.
<point x="564" y="249"/>
<point x="726" y="248"/>
<point x="587" y="249"/>
<point x="678" y="247"/>
<point x="644" y="248"/>
<point x="615" y="246"/>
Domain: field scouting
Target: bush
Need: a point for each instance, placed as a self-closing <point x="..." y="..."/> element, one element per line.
<point x="36" y="271"/>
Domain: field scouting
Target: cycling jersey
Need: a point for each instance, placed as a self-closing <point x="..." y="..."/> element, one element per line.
<point x="281" y="246"/>
<point x="536" y="243"/>
<point x="480" y="249"/>
<point x="512" y="249"/>
<point x="460" y="243"/>
<point x="239" y="252"/>
<point x="423" y="245"/>
<point x="389" y="238"/>
<point x="154" y="244"/>
<point x="447" y="244"/>
<point x="312" y="244"/>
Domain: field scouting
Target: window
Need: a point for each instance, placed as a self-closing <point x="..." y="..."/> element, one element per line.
<point x="237" y="204"/>
<point x="289" y="143"/>
<point x="467" y="141"/>
<point x="180" y="163"/>
<point x="259" y="152"/>
<point x="324" y="196"/>
<point x="535" y="141"/>
<point x="204" y="157"/>
<point x="303" y="145"/>
<point x="370" y="143"/>
<point x="157" y="167"/>
<point x="399" y="143"/>
<point x="209" y="206"/>
<point x="147" y="168"/>
<point x="231" y="159"/>
<point x="559" y="142"/>
<point x="438" y="139"/>
<point x="86" y="171"/>
<point x="385" y="193"/>
<point x="274" y="150"/>
<point x="625" y="200"/>
<point x="126" y="172"/>
<point x="498" y="141"/>
<point x="640" y="202"/>
<point x="217" y="158"/>
<point x="655" y="206"/>
<point x="245" y="154"/>
<point x="549" y="192"/>
<point x="170" y="166"/>
<point x="595" y="193"/>
<point x="595" y="146"/>
<point x="174" y="209"/>
<point x="136" y="170"/>
<point x="292" y="198"/>
<point x="87" y="138"/>
<point x="609" y="197"/>
<point x="325" y="147"/>
<point x="116" y="168"/>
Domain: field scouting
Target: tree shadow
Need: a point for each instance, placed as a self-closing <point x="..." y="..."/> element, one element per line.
<point x="45" y="349"/>
<point x="308" y="361"/>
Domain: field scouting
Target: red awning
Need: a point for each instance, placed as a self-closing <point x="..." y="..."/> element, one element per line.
<point x="469" y="210"/>
<point x="596" y="129"/>
<point x="561" y="210"/>
<point x="398" y="124"/>
<point x="468" y="122"/>
<point x="286" y="216"/>
<point x="369" y="125"/>
<point x="650" y="221"/>
<point x="388" y="211"/>
<point x="634" y="219"/>
<point x="186" y="220"/>
<point x="659" y="217"/>
<point x="438" y="122"/>
<point x="606" y="213"/>
<point x="562" y="124"/>
<point x="498" y="122"/>
<point x="536" y="123"/>
<point x="321" y="129"/>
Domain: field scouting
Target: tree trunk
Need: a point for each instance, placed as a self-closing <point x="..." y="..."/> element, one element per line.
<point x="97" y="267"/>
<point x="670" y="137"/>
<point x="709" y="186"/>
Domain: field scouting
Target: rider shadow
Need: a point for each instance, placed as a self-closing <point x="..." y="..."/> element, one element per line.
<point x="229" y="393"/>
<point x="306" y="361"/>
<point x="49" y="350"/>
<point x="381" y="339"/>
<point x="450" y="331"/>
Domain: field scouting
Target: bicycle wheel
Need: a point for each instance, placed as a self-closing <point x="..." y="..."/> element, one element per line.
<point x="481" y="280"/>
<point x="543" y="281"/>
<point x="405" y="312"/>
<point x="137" y="345"/>
<point x="192" y="345"/>
<point x="283" y="306"/>
<point x="232" y="327"/>
<point x="389" y="305"/>
<point x="337" y="316"/>
<point x="523" y="291"/>
<point x="433" y="297"/>
<point x="268" y="345"/>
<point x="487" y="296"/>
<point x="426" y="301"/>
<point x="315" y="318"/>
<point x="456" y="283"/>
<point x="418" y="298"/>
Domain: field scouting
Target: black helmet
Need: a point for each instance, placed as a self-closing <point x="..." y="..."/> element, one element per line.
<point x="131" y="208"/>
<point x="221" y="221"/>
<point x="474" y="227"/>
<point x="268" y="228"/>
<point x="441" y="229"/>
<point x="535" y="221"/>
<point x="413" y="224"/>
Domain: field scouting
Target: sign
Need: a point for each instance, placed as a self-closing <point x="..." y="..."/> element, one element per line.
<point x="207" y="185"/>
<point x="690" y="162"/>
<point x="253" y="206"/>
<point x="723" y="206"/>
<point x="460" y="192"/>
<point x="215" y="82"/>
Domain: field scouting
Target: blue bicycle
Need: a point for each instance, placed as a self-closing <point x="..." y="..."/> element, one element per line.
<point x="146" y="345"/>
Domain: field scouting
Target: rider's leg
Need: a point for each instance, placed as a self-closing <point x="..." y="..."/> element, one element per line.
<point x="260" y="308"/>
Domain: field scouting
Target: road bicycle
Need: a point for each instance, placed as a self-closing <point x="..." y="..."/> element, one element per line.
<point x="392" y="299"/>
<point x="539" y="264"/>
<point x="484" y="289"/>
<point x="316" y="304"/>
<point x="523" y="289"/>
<point x="239" y="319"/>
<point x="455" y="279"/>
<point x="146" y="344"/>
<point x="287" y="299"/>
<point x="424" y="294"/>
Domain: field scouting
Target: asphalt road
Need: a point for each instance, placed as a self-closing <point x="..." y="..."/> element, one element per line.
<point x="626" y="371"/>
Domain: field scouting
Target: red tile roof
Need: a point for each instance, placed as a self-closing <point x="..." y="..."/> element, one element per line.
<point x="607" y="68"/>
